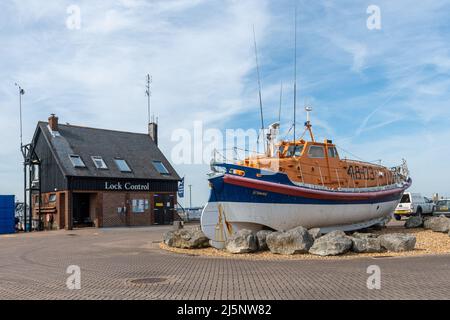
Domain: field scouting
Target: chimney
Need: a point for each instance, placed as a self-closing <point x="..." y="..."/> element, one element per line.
<point x="53" y="122"/>
<point x="153" y="131"/>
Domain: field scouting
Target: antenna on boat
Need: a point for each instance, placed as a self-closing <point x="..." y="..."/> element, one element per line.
<point x="295" y="71"/>
<point x="259" y="87"/>
<point x="281" y="99"/>
<point x="308" y="125"/>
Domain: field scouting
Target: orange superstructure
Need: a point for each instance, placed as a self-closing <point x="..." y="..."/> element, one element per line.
<point x="318" y="163"/>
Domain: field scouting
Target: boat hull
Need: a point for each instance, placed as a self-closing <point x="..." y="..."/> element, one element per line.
<point x="249" y="203"/>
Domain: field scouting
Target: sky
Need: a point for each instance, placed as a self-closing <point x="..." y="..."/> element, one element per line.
<point x="378" y="93"/>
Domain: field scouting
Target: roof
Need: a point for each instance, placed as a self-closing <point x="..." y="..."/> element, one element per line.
<point x="137" y="149"/>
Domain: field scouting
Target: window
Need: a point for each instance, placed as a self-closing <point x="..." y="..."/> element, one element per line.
<point x="316" y="152"/>
<point x="294" y="151"/>
<point x="99" y="163"/>
<point x="443" y="203"/>
<point x="122" y="165"/>
<point x="76" y="160"/>
<point x="280" y="150"/>
<point x="52" y="198"/>
<point x="405" y="198"/>
<point x="298" y="151"/>
<point x="160" y="167"/>
<point x="332" y="152"/>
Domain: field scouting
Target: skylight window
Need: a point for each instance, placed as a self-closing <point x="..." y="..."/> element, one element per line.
<point x="76" y="160"/>
<point x="160" y="167"/>
<point x="99" y="163"/>
<point x="122" y="165"/>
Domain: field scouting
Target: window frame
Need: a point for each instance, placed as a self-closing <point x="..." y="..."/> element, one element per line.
<point x="167" y="173"/>
<point x="314" y="146"/>
<point x="94" y="158"/>
<point x="52" y="195"/>
<point x="75" y="165"/>
<point x="117" y="160"/>
<point x="334" y="150"/>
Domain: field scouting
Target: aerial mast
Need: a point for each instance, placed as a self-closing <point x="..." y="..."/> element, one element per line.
<point x="148" y="92"/>
<point x="295" y="72"/>
<point x="259" y="87"/>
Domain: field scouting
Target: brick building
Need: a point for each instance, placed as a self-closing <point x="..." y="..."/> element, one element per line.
<point x="101" y="178"/>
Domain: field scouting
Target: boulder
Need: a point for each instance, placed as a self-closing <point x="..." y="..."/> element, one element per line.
<point x="414" y="222"/>
<point x="186" y="239"/>
<point x="438" y="224"/>
<point x="315" y="233"/>
<point x="297" y="240"/>
<point x="366" y="243"/>
<point x="262" y="236"/>
<point x="364" y="235"/>
<point x="243" y="241"/>
<point x="332" y="244"/>
<point x="398" y="242"/>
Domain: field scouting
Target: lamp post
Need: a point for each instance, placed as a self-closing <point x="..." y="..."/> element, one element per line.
<point x="25" y="213"/>
<point x="21" y="93"/>
<point x="190" y="196"/>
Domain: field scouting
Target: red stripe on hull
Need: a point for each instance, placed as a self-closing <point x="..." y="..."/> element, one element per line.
<point x="309" y="193"/>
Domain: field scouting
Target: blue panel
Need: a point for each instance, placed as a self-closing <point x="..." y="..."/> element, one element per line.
<point x="7" y="212"/>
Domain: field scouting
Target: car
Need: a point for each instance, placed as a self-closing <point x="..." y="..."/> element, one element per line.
<point x="442" y="207"/>
<point x="413" y="204"/>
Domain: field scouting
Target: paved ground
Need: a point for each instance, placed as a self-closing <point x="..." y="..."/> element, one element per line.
<point x="33" y="266"/>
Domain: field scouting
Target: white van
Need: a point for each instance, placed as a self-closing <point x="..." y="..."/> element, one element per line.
<point x="413" y="204"/>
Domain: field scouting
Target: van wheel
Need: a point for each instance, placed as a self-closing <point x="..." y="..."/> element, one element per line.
<point x="398" y="217"/>
<point x="418" y="212"/>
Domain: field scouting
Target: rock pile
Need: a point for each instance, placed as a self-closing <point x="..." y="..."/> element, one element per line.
<point x="414" y="222"/>
<point x="437" y="224"/>
<point x="332" y="244"/>
<point x="192" y="238"/>
<point x="301" y="240"/>
<point x="398" y="242"/>
<point x="366" y="243"/>
<point x="297" y="240"/>
<point x="243" y="241"/>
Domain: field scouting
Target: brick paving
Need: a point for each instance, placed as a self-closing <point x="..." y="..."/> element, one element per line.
<point x="33" y="266"/>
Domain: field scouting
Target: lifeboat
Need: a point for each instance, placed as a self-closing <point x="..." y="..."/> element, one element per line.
<point x="299" y="183"/>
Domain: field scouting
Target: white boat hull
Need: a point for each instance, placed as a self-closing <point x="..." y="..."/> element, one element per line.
<point x="221" y="219"/>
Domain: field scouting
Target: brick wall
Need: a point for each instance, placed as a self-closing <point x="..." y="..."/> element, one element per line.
<point x="111" y="202"/>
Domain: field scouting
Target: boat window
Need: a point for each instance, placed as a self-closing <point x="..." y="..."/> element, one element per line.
<point x="294" y="151"/>
<point x="290" y="151"/>
<point x="332" y="152"/>
<point x="405" y="199"/>
<point x="316" y="152"/>
<point x="280" y="150"/>
<point x="298" y="151"/>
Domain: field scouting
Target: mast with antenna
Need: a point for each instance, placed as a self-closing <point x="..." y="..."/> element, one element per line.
<point x="21" y="93"/>
<point x="148" y="92"/>
<point x="259" y="87"/>
<point x="295" y="73"/>
<point x="281" y="99"/>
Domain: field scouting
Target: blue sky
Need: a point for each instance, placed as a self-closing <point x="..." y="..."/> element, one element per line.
<point x="380" y="94"/>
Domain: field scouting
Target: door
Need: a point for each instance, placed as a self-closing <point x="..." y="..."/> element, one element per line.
<point x="81" y="209"/>
<point x="163" y="205"/>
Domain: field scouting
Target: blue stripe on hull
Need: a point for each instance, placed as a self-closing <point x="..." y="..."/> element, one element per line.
<point x="231" y="193"/>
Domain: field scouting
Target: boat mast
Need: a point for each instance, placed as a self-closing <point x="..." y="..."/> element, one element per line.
<point x="259" y="88"/>
<point x="281" y="99"/>
<point x="295" y="73"/>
